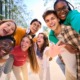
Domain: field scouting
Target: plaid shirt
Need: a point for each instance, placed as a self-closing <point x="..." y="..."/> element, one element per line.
<point x="73" y="38"/>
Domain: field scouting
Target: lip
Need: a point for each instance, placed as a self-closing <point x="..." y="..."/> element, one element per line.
<point x="63" y="15"/>
<point x="2" y="52"/>
<point x="4" y="31"/>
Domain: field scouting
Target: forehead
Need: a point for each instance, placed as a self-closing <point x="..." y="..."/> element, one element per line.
<point x="40" y="35"/>
<point x="10" y="22"/>
<point x="60" y="4"/>
<point x="36" y="22"/>
<point x="50" y="16"/>
<point x="26" y="39"/>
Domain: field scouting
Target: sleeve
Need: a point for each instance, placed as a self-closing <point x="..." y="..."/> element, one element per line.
<point x="52" y="37"/>
<point x="20" y="32"/>
<point x="75" y="22"/>
<point x="8" y="64"/>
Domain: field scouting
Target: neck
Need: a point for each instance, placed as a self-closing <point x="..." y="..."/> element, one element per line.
<point x="39" y="47"/>
<point x="58" y="30"/>
<point x="31" y="33"/>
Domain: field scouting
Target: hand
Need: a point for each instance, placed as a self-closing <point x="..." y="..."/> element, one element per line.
<point x="54" y="50"/>
<point x="69" y="47"/>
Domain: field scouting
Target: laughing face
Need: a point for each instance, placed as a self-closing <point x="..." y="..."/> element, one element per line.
<point x="62" y="10"/>
<point x="52" y="21"/>
<point x="7" y="28"/>
<point x="25" y="44"/>
<point x="40" y="40"/>
<point x="6" y="46"/>
<point x="35" y="26"/>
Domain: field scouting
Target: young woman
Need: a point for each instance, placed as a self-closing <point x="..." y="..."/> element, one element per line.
<point x="42" y="44"/>
<point x="44" y="57"/>
<point x="69" y="37"/>
<point x="21" y="54"/>
<point x="7" y="30"/>
<point x="7" y="42"/>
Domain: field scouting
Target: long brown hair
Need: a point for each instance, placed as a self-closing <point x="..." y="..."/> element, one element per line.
<point x="45" y="44"/>
<point x="32" y="56"/>
<point x="8" y="20"/>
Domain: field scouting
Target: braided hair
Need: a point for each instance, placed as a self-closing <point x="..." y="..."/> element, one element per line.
<point x="68" y="4"/>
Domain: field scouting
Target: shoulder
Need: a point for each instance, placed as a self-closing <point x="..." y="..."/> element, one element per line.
<point x="73" y="14"/>
<point x="20" y="29"/>
<point x="51" y="32"/>
<point x="46" y="50"/>
<point x="16" y="49"/>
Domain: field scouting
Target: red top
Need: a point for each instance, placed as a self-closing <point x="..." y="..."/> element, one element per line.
<point x="20" y="57"/>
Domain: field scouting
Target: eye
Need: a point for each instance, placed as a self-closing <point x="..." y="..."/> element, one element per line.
<point x="8" y="24"/>
<point x="34" y="24"/>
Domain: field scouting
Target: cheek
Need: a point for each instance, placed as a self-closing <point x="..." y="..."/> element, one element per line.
<point x="42" y="41"/>
<point x="29" y="45"/>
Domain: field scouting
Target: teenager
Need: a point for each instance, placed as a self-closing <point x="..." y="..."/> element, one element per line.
<point x="21" y="54"/>
<point x="7" y="42"/>
<point x="35" y="25"/>
<point x="69" y="37"/>
<point x="44" y="59"/>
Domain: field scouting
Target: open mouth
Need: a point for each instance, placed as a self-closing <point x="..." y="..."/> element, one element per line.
<point x="4" y="31"/>
<point x="2" y="53"/>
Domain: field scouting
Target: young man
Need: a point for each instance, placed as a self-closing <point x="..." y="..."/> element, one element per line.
<point x="70" y="38"/>
<point x="35" y="25"/>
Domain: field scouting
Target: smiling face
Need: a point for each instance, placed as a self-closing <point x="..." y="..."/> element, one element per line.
<point x="61" y="9"/>
<point x="7" y="28"/>
<point x="52" y="21"/>
<point x="6" y="45"/>
<point x="35" y="26"/>
<point x="25" y="43"/>
<point x="40" y="40"/>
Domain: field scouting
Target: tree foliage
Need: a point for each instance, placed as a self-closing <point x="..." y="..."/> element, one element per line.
<point x="17" y="10"/>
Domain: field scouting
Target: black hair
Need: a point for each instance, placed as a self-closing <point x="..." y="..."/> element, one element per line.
<point x="68" y="4"/>
<point x="7" y="43"/>
<point x="8" y="37"/>
<point x="35" y="20"/>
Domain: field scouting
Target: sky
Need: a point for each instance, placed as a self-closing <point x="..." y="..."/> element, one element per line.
<point x="37" y="6"/>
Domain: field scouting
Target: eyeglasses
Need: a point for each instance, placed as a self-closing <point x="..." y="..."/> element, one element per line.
<point x="61" y="9"/>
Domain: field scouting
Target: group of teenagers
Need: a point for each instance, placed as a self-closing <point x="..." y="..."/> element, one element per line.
<point x="19" y="46"/>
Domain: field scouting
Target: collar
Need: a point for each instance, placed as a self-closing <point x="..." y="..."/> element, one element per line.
<point x="28" y="32"/>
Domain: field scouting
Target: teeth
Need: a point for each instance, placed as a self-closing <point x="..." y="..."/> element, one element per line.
<point x="23" y="46"/>
<point x="52" y="25"/>
<point x="63" y="15"/>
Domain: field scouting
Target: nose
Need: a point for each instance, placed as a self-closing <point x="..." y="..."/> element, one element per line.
<point x="50" y="22"/>
<point x="9" y="28"/>
<point x="36" y="26"/>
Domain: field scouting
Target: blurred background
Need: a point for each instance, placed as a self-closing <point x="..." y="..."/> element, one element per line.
<point x="23" y="11"/>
